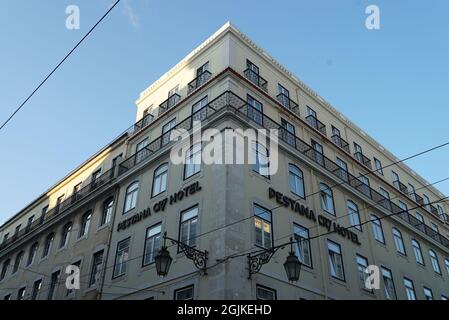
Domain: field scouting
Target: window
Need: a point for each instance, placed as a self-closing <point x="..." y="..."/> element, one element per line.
<point x="318" y="153"/>
<point x="426" y="202"/>
<point x="95" y="271"/>
<point x="362" y="264"/>
<point x="166" y="131"/>
<point x="44" y="212"/>
<point x="192" y="161"/>
<point x="390" y="291"/>
<point x="263" y="228"/>
<point x="284" y="96"/>
<point x="398" y="242"/>
<point x="261" y="164"/>
<point x="30" y="222"/>
<point x="343" y="173"/>
<point x="75" y="192"/>
<point x="327" y="199"/>
<point x="434" y="261"/>
<point x="311" y="112"/>
<point x="202" y="69"/>
<point x="354" y="216"/>
<point x="32" y="253"/>
<point x="17" y="262"/>
<point x="16" y="233"/>
<point x="58" y="205"/>
<point x="428" y="294"/>
<point x="303" y="251"/>
<point x="377" y="229"/>
<point x="65" y="235"/>
<point x="417" y="251"/>
<point x="5" y="269"/>
<point x="419" y="216"/>
<point x="121" y="258"/>
<point x="434" y="227"/>
<point x="358" y="152"/>
<point x="335" y="260"/>
<point x="385" y="193"/>
<point x="131" y="196"/>
<point x="173" y="91"/>
<point x="5" y="237"/>
<point x="47" y="245"/>
<point x="152" y="244"/>
<point x="409" y="289"/>
<point x="185" y="293"/>
<point x="440" y="212"/>
<point x="160" y="179"/>
<point x="53" y="284"/>
<point x="188" y="226"/>
<point x="378" y="166"/>
<point x="106" y="213"/>
<point x="265" y="293"/>
<point x="36" y="289"/>
<point x="85" y="224"/>
<point x="287" y="132"/>
<point x="404" y="208"/>
<point x="395" y="179"/>
<point x="446" y="263"/>
<point x="252" y="67"/>
<point x="21" y="293"/>
<point x="411" y="191"/>
<point x="296" y="179"/>
<point x="254" y="110"/>
<point x="199" y="105"/>
<point x="141" y="150"/>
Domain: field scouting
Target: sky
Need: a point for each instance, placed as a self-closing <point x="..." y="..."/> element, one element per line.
<point x="392" y="82"/>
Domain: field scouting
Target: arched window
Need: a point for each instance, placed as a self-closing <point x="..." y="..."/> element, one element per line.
<point x="47" y="245"/>
<point x="434" y="260"/>
<point x="65" y="235"/>
<point x="398" y="241"/>
<point x="4" y="268"/>
<point x="160" y="179"/>
<point x="106" y="214"/>
<point x="327" y="199"/>
<point x="377" y="229"/>
<point x="296" y="178"/>
<point x="417" y="251"/>
<point x="354" y="216"/>
<point x="131" y="196"/>
<point x="17" y="262"/>
<point x="85" y="224"/>
<point x="33" y="250"/>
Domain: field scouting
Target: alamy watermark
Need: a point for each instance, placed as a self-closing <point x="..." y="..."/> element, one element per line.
<point x="72" y="21"/>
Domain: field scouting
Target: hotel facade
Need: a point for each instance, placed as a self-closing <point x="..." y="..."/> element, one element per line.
<point x="334" y="192"/>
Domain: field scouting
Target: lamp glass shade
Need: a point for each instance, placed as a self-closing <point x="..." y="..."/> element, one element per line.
<point x="292" y="267"/>
<point x="163" y="261"/>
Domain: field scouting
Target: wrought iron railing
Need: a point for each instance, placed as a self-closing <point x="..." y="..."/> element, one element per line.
<point x="288" y="103"/>
<point x="172" y="101"/>
<point x="256" y="79"/>
<point x="360" y="157"/>
<point x="316" y="124"/>
<point x="341" y="143"/>
<point x="418" y="198"/>
<point x="434" y="211"/>
<point x="57" y="210"/>
<point x="401" y="187"/>
<point x="198" y="81"/>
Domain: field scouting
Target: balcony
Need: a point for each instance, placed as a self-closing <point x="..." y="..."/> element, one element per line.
<point x="360" y="157"/>
<point x="288" y="103"/>
<point x="256" y="79"/>
<point x="434" y="211"/>
<point x="400" y="186"/>
<point x="198" y="81"/>
<point x="169" y="103"/>
<point x="341" y="143"/>
<point x="316" y="124"/>
<point x="57" y="210"/>
<point x="418" y="198"/>
<point x="142" y="123"/>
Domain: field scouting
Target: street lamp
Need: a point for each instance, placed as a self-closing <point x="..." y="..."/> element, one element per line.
<point x="163" y="259"/>
<point x="292" y="265"/>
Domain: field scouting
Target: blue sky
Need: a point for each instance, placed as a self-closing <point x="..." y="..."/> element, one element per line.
<point x="392" y="82"/>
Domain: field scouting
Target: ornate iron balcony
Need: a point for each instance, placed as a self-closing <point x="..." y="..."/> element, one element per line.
<point x="198" y="81"/>
<point x="256" y="79"/>
<point x="400" y="186"/>
<point x="341" y="143"/>
<point x="169" y="103"/>
<point x="288" y="103"/>
<point x="316" y="124"/>
<point x="360" y="157"/>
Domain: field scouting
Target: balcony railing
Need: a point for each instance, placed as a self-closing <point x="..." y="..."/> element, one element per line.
<point x="360" y="157"/>
<point x="256" y="79"/>
<point x="341" y="143"/>
<point x="288" y="103"/>
<point x="401" y="187"/>
<point x="62" y="206"/>
<point x="418" y="198"/>
<point x="434" y="211"/>
<point x="316" y="124"/>
<point x="169" y="103"/>
<point x="198" y="81"/>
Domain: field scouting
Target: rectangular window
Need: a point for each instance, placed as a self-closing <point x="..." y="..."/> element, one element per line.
<point x="336" y="268"/>
<point x="377" y="229"/>
<point x="184" y="293"/>
<point x="95" y="272"/>
<point x="390" y="291"/>
<point x="202" y="69"/>
<point x="141" y="150"/>
<point x="255" y="109"/>
<point x="404" y="208"/>
<point x="318" y="152"/>
<point x="287" y="132"/>
<point x="121" y="258"/>
<point x="152" y="244"/>
<point x="188" y="226"/>
<point x="343" y="173"/>
<point x="362" y="264"/>
<point x="398" y="241"/>
<point x="434" y="261"/>
<point x="166" y="131"/>
<point x="193" y="161"/>
<point x="409" y="289"/>
<point x="378" y="166"/>
<point x="263" y="227"/>
<point x="265" y="293"/>
<point x="303" y="251"/>
<point x="252" y="67"/>
<point x="198" y="106"/>
<point x="428" y="294"/>
<point x="53" y="284"/>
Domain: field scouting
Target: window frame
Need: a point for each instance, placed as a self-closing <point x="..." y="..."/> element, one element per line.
<point x="189" y="287"/>
<point x="114" y="275"/>
<point x="157" y="175"/>
<point x="298" y="178"/>
<point x="341" y="259"/>
<point x="197" y="207"/>
<point x="127" y="194"/>
<point x="401" y="238"/>
<point x="144" y="262"/>
<point x="271" y="290"/>
<point x="307" y="240"/>
<point x="270" y="223"/>
<point x="326" y="191"/>
<point x="191" y="156"/>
